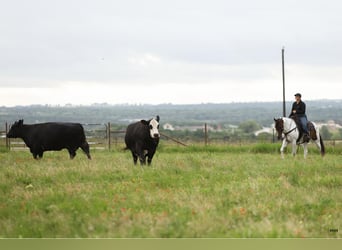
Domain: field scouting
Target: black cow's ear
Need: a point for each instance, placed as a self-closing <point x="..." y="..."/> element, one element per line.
<point x="275" y="119"/>
<point x="21" y="122"/>
<point x="144" y="122"/>
<point x="157" y="118"/>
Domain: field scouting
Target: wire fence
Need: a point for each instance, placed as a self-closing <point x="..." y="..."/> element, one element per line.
<point x="101" y="136"/>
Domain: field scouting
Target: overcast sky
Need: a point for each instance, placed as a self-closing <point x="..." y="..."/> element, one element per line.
<point x="187" y="51"/>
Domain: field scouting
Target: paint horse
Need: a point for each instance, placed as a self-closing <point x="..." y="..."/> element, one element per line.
<point x="288" y="127"/>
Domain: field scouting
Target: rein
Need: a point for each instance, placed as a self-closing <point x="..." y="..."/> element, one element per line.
<point x="288" y="132"/>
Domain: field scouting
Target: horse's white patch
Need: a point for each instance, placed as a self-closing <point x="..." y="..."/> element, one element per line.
<point x="154" y="128"/>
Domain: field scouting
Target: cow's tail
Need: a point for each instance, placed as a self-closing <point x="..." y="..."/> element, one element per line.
<point x="322" y="145"/>
<point x="84" y="144"/>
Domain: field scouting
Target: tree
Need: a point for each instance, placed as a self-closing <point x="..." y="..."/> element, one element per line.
<point x="326" y="134"/>
<point x="249" y="126"/>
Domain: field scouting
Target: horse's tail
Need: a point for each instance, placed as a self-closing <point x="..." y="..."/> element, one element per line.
<point x="322" y="145"/>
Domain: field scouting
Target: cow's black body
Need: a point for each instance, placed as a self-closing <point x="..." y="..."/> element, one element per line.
<point x="140" y="142"/>
<point x="51" y="136"/>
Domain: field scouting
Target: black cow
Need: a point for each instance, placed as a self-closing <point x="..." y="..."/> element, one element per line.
<point x="142" y="139"/>
<point x="50" y="136"/>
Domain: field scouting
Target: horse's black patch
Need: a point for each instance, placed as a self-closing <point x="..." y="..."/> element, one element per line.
<point x="312" y="131"/>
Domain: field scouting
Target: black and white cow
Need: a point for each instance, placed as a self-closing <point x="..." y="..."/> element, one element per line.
<point x="142" y="139"/>
<point x="50" y="136"/>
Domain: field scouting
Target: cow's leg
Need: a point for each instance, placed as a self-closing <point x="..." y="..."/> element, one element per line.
<point x="85" y="148"/>
<point x="283" y="146"/>
<point x="40" y="154"/>
<point x="135" y="158"/>
<point x="142" y="157"/>
<point x="139" y="152"/>
<point x="150" y="157"/>
<point x="34" y="153"/>
<point x="72" y="153"/>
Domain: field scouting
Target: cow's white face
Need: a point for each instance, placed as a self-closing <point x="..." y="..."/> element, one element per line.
<point x="154" y="128"/>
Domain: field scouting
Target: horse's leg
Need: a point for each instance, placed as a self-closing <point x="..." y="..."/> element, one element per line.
<point x="317" y="142"/>
<point x="294" y="147"/>
<point x="283" y="146"/>
<point x="320" y="145"/>
<point x="305" y="146"/>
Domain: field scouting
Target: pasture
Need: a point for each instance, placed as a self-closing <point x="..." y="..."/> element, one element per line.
<point x="214" y="191"/>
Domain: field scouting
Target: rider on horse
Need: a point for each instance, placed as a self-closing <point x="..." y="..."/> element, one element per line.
<point x="298" y="110"/>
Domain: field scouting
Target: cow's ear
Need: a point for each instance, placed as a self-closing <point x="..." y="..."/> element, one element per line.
<point x="144" y="122"/>
<point x="275" y="119"/>
<point x="157" y="118"/>
<point x="21" y="122"/>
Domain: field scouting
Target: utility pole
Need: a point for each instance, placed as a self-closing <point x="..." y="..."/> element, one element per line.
<point x="283" y="68"/>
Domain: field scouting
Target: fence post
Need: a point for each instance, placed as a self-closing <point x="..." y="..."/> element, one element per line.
<point x="109" y="136"/>
<point x="273" y="138"/>
<point x="7" y="139"/>
<point x="205" y="134"/>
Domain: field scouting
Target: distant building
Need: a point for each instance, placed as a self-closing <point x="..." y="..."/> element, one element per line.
<point x="168" y="126"/>
<point x="331" y="125"/>
<point x="264" y="130"/>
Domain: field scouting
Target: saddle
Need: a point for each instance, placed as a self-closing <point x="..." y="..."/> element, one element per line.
<point x="311" y="129"/>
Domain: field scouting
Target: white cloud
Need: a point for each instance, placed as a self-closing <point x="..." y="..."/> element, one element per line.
<point x="186" y="51"/>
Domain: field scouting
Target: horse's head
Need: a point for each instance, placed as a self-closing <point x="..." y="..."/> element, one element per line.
<point x="279" y="126"/>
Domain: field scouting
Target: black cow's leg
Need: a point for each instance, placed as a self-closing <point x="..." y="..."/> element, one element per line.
<point x="150" y="157"/>
<point x="135" y="158"/>
<point x="85" y="148"/>
<point x="72" y="153"/>
<point x="140" y="153"/>
<point x="142" y="158"/>
<point x="149" y="160"/>
<point x="40" y="154"/>
<point x="34" y="153"/>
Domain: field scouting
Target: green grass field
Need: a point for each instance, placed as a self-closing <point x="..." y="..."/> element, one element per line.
<point x="215" y="191"/>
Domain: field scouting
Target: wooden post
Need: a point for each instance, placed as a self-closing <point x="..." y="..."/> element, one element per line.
<point x="7" y="139"/>
<point x="273" y="138"/>
<point x="109" y="137"/>
<point x="205" y="134"/>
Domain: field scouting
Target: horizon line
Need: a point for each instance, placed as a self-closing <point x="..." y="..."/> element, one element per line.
<point x="158" y="104"/>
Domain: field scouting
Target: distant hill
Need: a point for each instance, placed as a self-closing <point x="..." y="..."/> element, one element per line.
<point x="225" y="113"/>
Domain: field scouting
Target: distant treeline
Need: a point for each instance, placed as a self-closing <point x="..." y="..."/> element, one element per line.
<point x="229" y="113"/>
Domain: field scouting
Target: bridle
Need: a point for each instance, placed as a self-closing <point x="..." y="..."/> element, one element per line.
<point x="281" y="130"/>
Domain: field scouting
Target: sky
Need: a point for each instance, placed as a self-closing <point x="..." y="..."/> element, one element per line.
<point x="179" y="51"/>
